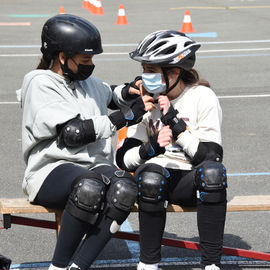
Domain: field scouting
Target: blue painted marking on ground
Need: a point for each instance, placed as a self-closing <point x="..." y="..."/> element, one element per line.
<point x="249" y="174"/>
<point x="233" y="55"/>
<point x="28" y="15"/>
<point x="133" y="247"/>
<point x="209" y="34"/>
<point x="183" y="260"/>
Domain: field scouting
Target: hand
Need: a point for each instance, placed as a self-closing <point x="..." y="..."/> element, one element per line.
<point x="132" y="90"/>
<point x="164" y="136"/>
<point x="148" y="103"/>
<point x="177" y="125"/>
<point x="164" y="104"/>
<point x="151" y="148"/>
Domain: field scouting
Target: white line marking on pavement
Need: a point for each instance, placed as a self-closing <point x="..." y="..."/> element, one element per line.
<point x="220" y="97"/>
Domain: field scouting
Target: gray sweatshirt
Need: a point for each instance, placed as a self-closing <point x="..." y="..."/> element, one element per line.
<point x="47" y="100"/>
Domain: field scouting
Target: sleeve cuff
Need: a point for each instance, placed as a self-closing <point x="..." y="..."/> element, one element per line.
<point x="188" y="142"/>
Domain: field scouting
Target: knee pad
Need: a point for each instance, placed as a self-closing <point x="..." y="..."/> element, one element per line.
<point x="211" y="182"/>
<point x="121" y="196"/>
<point x="153" y="183"/>
<point x="86" y="200"/>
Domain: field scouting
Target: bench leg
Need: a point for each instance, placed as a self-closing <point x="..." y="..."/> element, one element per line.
<point x="58" y="219"/>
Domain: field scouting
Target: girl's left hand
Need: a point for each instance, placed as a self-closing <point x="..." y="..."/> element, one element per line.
<point x="164" y="104"/>
<point x="164" y="136"/>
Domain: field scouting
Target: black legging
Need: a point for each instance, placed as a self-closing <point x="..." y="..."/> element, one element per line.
<point x="210" y="221"/>
<point x="54" y="193"/>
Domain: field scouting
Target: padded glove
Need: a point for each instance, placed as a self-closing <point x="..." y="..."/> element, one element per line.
<point x="125" y="91"/>
<point x="151" y="148"/>
<point x="137" y="112"/>
<point x="176" y="125"/>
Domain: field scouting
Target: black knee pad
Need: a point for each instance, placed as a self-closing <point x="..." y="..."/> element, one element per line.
<point x="211" y="182"/>
<point x="121" y="196"/>
<point x="152" y="182"/>
<point x="87" y="199"/>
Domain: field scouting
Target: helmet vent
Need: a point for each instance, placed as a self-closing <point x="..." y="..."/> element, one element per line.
<point x="168" y="51"/>
<point x="157" y="46"/>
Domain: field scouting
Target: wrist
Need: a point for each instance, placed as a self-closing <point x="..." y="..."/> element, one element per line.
<point x="151" y="148"/>
<point x="118" y="119"/>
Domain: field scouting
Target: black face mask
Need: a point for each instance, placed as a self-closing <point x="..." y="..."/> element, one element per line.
<point x="84" y="71"/>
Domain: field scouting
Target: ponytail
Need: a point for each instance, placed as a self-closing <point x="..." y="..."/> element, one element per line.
<point x="44" y="63"/>
<point x="191" y="77"/>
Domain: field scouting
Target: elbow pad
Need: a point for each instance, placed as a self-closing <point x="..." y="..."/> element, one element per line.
<point x="76" y="132"/>
<point x="208" y="151"/>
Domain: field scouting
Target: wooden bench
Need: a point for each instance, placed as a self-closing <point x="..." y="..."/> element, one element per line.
<point x="9" y="207"/>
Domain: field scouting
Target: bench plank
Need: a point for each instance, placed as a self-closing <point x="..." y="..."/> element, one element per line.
<point x="238" y="203"/>
<point x="21" y="206"/>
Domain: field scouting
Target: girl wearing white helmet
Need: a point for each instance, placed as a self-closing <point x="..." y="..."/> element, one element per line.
<point x="176" y="150"/>
<point x="67" y="141"/>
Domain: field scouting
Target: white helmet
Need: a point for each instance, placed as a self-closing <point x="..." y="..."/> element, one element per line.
<point x="167" y="49"/>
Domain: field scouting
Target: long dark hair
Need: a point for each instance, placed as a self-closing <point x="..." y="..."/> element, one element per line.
<point x="44" y="64"/>
<point x="192" y="77"/>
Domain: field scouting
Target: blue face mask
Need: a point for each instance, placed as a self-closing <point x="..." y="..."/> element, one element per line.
<point x="152" y="82"/>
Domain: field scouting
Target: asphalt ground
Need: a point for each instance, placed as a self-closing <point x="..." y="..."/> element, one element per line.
<point x="234" y="57"/>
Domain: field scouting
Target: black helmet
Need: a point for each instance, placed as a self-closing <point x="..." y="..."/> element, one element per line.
<point x="69" y="34"/>
<point x="167" y="49"/>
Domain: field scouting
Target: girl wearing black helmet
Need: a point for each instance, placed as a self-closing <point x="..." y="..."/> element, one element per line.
<point x="66" y="140"/>
<point x="176" y="150"/>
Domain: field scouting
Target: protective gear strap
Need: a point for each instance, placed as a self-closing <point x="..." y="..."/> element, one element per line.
<point x="137" y="111"/>
<point x="151" y="148"/>
<point x="152" y="182"/>
<point x="211" y="181"/>
<point x="76" y="132"/>
<point x="118" y="119"/>
<point x="86" y="200"/>
<point x="165" y="75"/>
<point x="121" y="196"/>
<point x="208" y="151"/>
<point x="176" y="125"/>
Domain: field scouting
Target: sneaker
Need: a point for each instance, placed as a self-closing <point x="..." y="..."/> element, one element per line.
<point x="52" y="267"/>
<point x="143" y="266"/>
<point x="74" y="267"/>
<point x="211" y="267"/>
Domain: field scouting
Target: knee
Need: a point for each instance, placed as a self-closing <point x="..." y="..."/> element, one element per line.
<point x="152" y="183"/>
<point x="121" y="196"/>
<point x="87" y="198"/>
<point x="211" y="182"/>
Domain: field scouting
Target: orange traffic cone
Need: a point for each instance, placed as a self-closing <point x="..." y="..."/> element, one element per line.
<point x="85" y="4"/>
<point x="90" y="6"/>
<point x="187" y="24"/>
<point x="121" y="19"/>
<point x="99" y="9"/>
<point x="122" y="134"/>
<point x="62" y="10"/>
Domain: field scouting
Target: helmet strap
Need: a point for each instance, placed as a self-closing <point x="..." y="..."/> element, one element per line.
<point x="166" y="78"/>
<point x="66" y="71"/>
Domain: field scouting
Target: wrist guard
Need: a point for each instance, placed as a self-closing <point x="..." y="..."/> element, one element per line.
<point x="176" y="125"/>
<point x="137" y="112"/>
<point x="151" y="148"/>
<point x="125" y="91"/>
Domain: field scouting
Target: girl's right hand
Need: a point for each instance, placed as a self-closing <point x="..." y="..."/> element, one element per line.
<point x="148" y="103"/>
<point x="164" y="104"/>
<point x="164" y="136"/>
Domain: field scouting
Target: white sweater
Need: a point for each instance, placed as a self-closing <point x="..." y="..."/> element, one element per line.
<point x="199" y="107"/>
